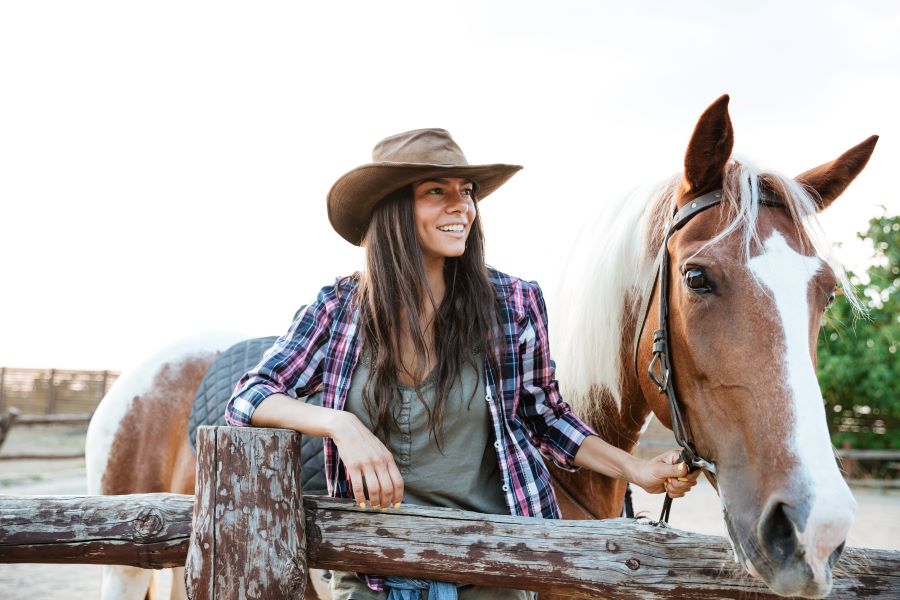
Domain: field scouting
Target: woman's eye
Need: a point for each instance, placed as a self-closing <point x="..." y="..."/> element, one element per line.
<point x="468" y="192"/>
<point x="436" y="191"/>
<point x="696" y="281"/>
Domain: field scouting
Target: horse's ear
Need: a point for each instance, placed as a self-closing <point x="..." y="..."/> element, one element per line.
<point x="831" y="179"/>
<point x="709" y="149"/>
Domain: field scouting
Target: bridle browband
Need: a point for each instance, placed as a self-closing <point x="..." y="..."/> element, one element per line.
<point x="660" y="368"/>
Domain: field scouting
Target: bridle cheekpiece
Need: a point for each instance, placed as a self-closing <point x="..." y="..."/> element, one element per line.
<point x="660" y="368"/>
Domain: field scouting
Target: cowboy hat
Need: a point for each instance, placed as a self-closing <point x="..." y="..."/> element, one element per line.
<point x="398" y="161"/>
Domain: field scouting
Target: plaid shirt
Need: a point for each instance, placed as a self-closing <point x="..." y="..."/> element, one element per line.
<point x="322" y="347"/>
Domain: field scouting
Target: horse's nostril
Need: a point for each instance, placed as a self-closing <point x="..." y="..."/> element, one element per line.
<point x="836" y="554"/>
<point x="777" y="534"/>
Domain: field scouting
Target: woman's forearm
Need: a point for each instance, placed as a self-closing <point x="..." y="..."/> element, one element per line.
<point x="369" y="463"/>
<point x="602" y="457"/>
<point x="665" y="473"/>
<point x="280" y="410"/>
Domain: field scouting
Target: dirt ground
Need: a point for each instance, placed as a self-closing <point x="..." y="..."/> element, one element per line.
<point x="877" y="520"/>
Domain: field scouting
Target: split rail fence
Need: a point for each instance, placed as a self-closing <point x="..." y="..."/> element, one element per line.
<point x="53" y="391"/>
<point x="248" y="532"/>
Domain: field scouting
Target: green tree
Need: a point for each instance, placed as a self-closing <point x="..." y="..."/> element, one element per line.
<point x="859" y="358"/>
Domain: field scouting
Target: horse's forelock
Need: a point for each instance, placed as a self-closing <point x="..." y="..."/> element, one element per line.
<point x="742" y="187"/>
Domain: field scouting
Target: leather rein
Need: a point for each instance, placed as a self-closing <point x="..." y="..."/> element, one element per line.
<point x="660" y="368"/>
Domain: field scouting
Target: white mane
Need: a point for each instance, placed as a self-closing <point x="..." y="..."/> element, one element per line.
<point x="608" y="262"/>
<point x="612" y="258"/>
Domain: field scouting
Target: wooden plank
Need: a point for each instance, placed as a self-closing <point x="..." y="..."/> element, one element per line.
<point x="42" y="456"/>
<point x="881" y="484"/>
<point x="142" y="530"/>
<point x="60" y="419"/>
<point x="869" y="454"/>
<point x="617" y="558"/>
<point x="249" y="538"/>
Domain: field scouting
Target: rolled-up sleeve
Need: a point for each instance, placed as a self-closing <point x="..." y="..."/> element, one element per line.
<point x="555" y="429"/>
<point x="293" y="365"/>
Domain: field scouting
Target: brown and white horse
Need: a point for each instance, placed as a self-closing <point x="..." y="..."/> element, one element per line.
<point x="748" y="285"/>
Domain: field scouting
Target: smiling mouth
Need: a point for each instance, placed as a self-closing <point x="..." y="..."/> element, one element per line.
<point x="452" y="228"/>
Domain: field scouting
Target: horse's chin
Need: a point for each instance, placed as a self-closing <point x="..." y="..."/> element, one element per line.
<point x="790" y="576"/>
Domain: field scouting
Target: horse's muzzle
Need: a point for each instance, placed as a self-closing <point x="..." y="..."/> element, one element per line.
<point x="796" y="544"/>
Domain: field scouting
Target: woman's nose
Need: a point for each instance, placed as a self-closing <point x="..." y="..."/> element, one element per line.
<point x="457" y="201"/>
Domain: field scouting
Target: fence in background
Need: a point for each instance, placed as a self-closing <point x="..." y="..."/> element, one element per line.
<point x="53" y="391"/>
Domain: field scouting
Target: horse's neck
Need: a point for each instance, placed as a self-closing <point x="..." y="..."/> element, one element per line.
<point x="584" y="494"/>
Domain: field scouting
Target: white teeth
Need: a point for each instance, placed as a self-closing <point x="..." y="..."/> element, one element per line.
<point x="458" y="228"/>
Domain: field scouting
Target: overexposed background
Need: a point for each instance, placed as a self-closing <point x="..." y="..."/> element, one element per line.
<point x="164" y="165"/>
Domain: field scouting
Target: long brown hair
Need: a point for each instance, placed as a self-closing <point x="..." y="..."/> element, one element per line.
<point x="392" y="293"/>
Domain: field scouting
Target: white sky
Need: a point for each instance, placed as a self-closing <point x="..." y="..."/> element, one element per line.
<point x="164" y="165"/>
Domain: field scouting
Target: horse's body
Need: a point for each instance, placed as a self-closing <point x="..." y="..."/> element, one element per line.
<point x="748" y="288"/>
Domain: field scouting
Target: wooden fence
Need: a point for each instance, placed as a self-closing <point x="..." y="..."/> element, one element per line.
<point x="53" y="391"/>
<point x="14" y="417"/>
<point x="248" y="533"/>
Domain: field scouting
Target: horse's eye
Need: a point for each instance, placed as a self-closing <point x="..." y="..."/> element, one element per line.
<point x="830" y="300"/>
<point x="697" y="281"/>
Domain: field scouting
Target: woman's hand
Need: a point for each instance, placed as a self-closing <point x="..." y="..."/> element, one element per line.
<point x="665" y="474"/>
<point x="369" y="463"/>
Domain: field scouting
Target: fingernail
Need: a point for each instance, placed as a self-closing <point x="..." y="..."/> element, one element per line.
<point x="362" y="504"/>
<point x="376" y="506"/>
<point x="682" y="479"/>
<point x="383" y="508"/>
<point x="396" y="505"/>
<point x="682" y="467"/>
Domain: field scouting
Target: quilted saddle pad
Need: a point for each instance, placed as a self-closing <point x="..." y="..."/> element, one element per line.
<point x="215" y="390"/>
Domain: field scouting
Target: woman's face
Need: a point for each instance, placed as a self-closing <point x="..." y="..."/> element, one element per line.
<point x="444" y="210"/>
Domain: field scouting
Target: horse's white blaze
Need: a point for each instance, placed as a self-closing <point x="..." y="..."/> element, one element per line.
<point x="787" y="275"/>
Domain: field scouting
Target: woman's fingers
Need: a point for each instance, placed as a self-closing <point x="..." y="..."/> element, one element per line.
<point x="357" y="483"/>
<point x="373" y="486"/>
<point x="667" y="473"/>
<point x="680" y="486"/>
<point x="370" y="466"/>
<point x="397" y="483"/>
<point x="377" y="482"/>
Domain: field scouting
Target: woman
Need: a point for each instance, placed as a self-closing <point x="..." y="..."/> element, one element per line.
<point x="433" y="371"/>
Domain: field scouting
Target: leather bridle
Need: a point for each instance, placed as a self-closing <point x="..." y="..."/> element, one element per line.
<point x="660" y="368"/>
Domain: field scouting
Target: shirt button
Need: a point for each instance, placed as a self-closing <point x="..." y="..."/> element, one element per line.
<point x="497" y="445"/>
<point x="505" y="488"/>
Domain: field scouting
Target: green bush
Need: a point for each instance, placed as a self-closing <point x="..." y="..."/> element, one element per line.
<point x="859" y="357"/>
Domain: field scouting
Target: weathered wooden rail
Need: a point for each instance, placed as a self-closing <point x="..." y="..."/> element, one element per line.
<point x="247" y="528"/>
<point x="14" y="417"/>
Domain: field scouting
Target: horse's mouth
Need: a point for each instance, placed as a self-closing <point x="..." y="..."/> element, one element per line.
<point x="787" y="574"/>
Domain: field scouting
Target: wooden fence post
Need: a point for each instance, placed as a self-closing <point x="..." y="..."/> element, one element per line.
<point x="51" y="393"/>
<point x="104" y="385"/>
<point x="7" y="420"/>
<point x="2" y="389"/>
<point x="248" y="538"/>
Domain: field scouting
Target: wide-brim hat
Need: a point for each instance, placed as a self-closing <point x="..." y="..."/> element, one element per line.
<point x="398" y="161"/>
